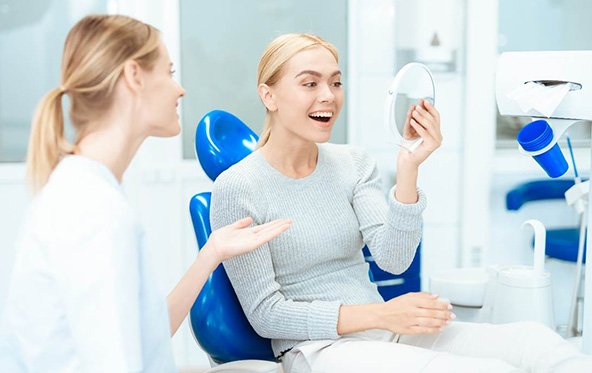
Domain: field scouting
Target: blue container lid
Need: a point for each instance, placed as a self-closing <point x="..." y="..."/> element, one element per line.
<point x="535" y="135"/>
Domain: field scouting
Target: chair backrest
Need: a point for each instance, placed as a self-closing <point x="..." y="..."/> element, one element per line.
<point x="221" y="140"/>
<point x="217" y="320"/>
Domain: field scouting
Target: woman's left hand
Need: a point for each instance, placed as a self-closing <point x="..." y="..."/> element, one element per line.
<point x="422" y="120"/>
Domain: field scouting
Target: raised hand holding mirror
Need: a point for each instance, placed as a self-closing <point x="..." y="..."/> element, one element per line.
<point x="411" y="84"/>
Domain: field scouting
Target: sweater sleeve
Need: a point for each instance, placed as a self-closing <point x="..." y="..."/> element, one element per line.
<point x="391" y="231"/>
<point x="253" y="277"/>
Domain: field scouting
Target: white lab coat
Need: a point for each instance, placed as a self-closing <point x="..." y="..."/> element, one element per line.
<point x="83" y="296"/>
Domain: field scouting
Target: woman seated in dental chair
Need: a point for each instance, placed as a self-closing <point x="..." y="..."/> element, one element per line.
<point x="308" y="290"/>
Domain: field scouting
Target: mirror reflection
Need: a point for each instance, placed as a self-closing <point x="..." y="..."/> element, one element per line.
<point x="411" y="84"/>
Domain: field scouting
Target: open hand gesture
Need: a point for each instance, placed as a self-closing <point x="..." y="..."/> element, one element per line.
<point x="239" y="237"/>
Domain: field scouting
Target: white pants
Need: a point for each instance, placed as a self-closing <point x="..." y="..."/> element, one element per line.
<point x="460" y="347"/>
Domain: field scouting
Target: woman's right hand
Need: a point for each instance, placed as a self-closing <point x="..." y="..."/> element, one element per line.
<point x="423" y="120"/>
<point x="239" y="238"/>
<point x="415" y="313"/>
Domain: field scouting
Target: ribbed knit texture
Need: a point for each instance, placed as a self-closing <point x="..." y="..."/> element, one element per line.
<point x="291" y="288"/>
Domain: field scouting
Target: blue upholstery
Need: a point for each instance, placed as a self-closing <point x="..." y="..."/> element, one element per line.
<point x="221" y="140"/>
<point x="561" y="243"/>
<point x="391" y="286"/>
<point x="536" y="191"/>
<point x="217" y="320"/>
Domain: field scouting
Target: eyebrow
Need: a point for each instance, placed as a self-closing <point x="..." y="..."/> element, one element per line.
<point x="316" y="73"/>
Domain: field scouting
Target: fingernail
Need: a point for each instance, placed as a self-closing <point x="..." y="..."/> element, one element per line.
<point x="450" y="306"/>
<point x="447" y="322"/>
<point x="452" y="316"/>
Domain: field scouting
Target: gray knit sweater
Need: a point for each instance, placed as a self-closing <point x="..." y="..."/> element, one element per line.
<point x="291" y="288"/>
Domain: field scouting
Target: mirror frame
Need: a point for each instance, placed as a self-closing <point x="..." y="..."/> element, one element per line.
<point x="389" y="107"/>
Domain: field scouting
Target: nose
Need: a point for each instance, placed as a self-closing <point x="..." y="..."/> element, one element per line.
<point x="326" y="95"/>
<point x="182" y="91"/>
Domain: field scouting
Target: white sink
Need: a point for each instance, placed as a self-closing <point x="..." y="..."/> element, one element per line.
<point x="461" y="286"/>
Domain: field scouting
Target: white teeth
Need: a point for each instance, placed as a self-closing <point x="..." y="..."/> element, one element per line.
<point x="326" y="114"/>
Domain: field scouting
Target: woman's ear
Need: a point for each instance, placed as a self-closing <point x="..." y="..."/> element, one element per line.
<point x="267" y="97"/>
<point x="132" y="75"/>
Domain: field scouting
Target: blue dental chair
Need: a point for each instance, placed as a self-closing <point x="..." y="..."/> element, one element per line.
<point x="216" y="318"/>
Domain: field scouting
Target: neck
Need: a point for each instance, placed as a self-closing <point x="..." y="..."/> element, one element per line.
<point x="111" y="145"/>
<point x="291" y="155"/>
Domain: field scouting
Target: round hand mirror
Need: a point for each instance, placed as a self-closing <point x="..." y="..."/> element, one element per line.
<point x="411" y="84"/>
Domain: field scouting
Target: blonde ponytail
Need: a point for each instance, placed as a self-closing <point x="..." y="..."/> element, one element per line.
<point x="94" y="53"/>
<point x="47" y="143"/>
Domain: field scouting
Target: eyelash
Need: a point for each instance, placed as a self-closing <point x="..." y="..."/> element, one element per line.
<point x="314" y="84"/>
<point x="172" y="72"/>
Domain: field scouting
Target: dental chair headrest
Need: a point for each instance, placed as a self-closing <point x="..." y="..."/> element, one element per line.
<point x="221" y="140"/>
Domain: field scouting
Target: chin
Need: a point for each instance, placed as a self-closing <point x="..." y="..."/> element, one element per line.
<point x="177" y="127"/>
<point x="169" y="131"/>
<point x="176" y="131"/>
<point x="324" y="135"/>
<point x="322" y="138"/>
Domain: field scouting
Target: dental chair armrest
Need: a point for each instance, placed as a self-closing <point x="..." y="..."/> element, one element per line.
<point x="247" y="366"/>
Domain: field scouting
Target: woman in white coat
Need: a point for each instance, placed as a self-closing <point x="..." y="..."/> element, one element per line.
<point x="83" y="295"/>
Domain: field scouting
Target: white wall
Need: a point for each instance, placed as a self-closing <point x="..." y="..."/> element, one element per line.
<point x="374" y="43"/>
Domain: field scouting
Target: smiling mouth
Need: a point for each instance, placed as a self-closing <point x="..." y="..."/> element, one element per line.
<point x="321" y="116"/>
